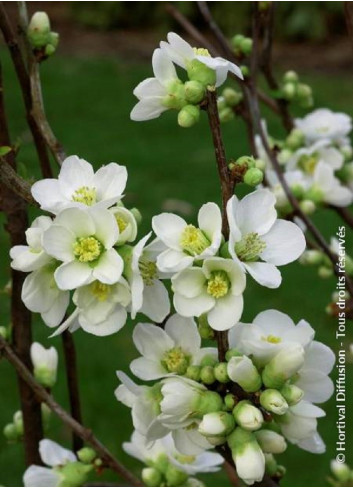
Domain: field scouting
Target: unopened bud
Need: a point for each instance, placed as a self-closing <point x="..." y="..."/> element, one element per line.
<point x="137" y="215"/>
<point x="341" y="471"/>
<point x="245" y="70"/>
<point x="248" y="416"/>
<point x="273" y="401"/>
<point x="247" y="455"/>
<point x="253" y="177"/>
<point x="325" y="272"/>
<point x="208" y="402"/>
<point x="290" y="76"/>
<point x="295" y="139"/>
<point x="307" y="206"/>
<point x="311" y="257"/>
<point x="86" y="455"/>
<point x="246" y="45"/>
<point x="188" y="116"/>
<point x="289" y="91"/>
<point x="231" y="96"/>
<point x="10" y="432"/>
<point x="38" y="31"/>
<point x="292" y="394"/>
<point x="304" y="91"/>
<point x="270" y="441"/>
<point x="193" y="372"/>
<point x="208" y="360"/>
<point x="194" y="92"/>
<point x="260" y="164"/>
<point x="226" y="114"/>
<point x="151" y="477"/>
<point x="284" y="156"/>
<point x="242" y="371"/>
<point x="229" y="401"/>
<point x="207" y="375"/>
<point x="217" y="424"/>
<point x="236" y="41"/>
<point x="205" y="330"/>
<point x="283" y="366"/>
<point x="233" y="352"/>
<point x="270" y="464"/>
<point x="18" y="422"/>
<point x="175" y="477"/>
<point x="220" y="372"/>
<point x="3" y="332"/>
<point x="74" y="474"/>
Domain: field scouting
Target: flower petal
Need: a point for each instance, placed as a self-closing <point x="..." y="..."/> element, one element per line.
<point x="256" y="212"/>
<point x="74" y="274"/>
<point x="53" y="454"/>
<point x="150" y="87"/>
<point x="285" y="242"/>
<point x="147" y="109"/>
<point x="189" y="282"/>
<point x="163" y="67"/>
<point x="184" y="332"/>
<point x="156" y="303"/>
<point x="110" y="182"/>
<point x="109" y="267"/>
<point x="172" y="261"/>
<point x="112" y="324"/>
<point x="58" y="242"/>
<point x="168" y="227"/>
<point x="265" y="274"/>
<point x="48" y="194"/>
<point x="146" y="369"/>
<point x="226" y="313"/>
<point x="36" y="476"/>
<point x="193" y="307"/>
<point x="151" y="341"/>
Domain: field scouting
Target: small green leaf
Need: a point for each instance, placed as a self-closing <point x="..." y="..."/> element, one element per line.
<point x="4" y="150"/>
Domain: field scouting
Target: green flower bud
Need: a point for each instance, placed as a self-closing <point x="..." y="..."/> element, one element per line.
<point x="283" y="366"/>
<point x="273" y="401"/>
<point x="193" y="372"/>
<point x="229" y="401"/>
<point x="226" y="115"/>
<point x="54" y="39"/>
<point x="246" y="45"/>
<point x="175" y="99"/>
<point x="207" y="375"/>
<point x="45" y="376"/>
<point x="208" y="361"/>
<point x="315" y="194"/>
<point x="325" y="272"/>
<point x="18" y="422"/>
<point x="245" y="70"/>
<point x="217" y="424"/>
<point x="242" y="371"/>
<point x="151" y="477"/>
<point x="260" y="164"/>
<point x="10" y="432"/>
<point x="208" y="402"/>
<point x="233" y="352"/>
<point x="197" y="71"/>
<point x="347" y="152"/>
<point x="270" y="464"/>
<point x="246" y="162"/>
<point x="284" y="155"/>
<point x="221" y="104"/>
<point x="205" y="330"/>
<point x="194" y="92"/>
<point x="237" y="40"/>
<point x="137" y="214"/>
<point x="307" y="206"/>
<point x="304" y="91"/>
<point x="38" y="32"/>
<point x="311" y="257"/>
<point x="290" y="77"/>
<point x="74" y="474"/>
<point x="289" y="91"/>
<point x="3" y="332"/>
<point x="341" y="471"/>
<point x="175" y="477"/>
<point x="281" y="471"/>
<point x="161" y="463"/>
<point x="248" y="416"/>
<point x="295" y="139"/>
<point x="188" y="116"/>
<point x="297" y="190"/>
<point x="270" y="441"/>
<point x="292" y="394"/>
<point x="232" y="97"/>
<point x="86" y="455"/>
<point x="49" y="50"/>
<point x="220" y="372"/>
<point x="193" y="482"/>
<point x="253" y="177"/>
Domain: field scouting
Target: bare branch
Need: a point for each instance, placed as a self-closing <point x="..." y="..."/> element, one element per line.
<point x="15" y="183"/>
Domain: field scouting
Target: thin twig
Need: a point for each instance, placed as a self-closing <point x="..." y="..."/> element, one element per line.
<point x="344" y="213"/>
<point x="15" y="183"/>
<point x="83" y="432"/>
<point x="348" y="13"/>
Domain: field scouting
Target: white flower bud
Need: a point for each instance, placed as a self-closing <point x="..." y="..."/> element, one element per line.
<point x="270" y="441"/>
<point x="217" y="424"/>
<point x="39" y="30"/>
<point x="247" y="455"/>
<point x="151" y="477"/>
<point x="341" y="471"/>
<point x="273" y="401"/>
<point x="281" y="368"/>
<point x="292" y="394"/>
<point x="242" y="371"/>
<point x="45" y="363"/>
<point x="248" y="416"/>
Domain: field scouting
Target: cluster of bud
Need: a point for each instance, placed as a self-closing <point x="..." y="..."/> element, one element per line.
<point x="242" y="46"/>
<point x="14" y="431"/>
<point x="162" y="473"/>
<point x="229" y="99"/>
<point x="295" y="91"/>
<point x="247" y="169"/>
<point x="40" y="36"/>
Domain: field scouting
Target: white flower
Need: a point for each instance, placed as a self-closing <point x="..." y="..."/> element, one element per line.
<point x="152" y="92"/>
<point x="45" y="363"/>
<point x="295" y="179"/>
<point x="52" y="455"/>
<point x="41" y="294"/>
<point x="127" y="224"/>
<point x="78" y="186"/>
<point x="83" y="240"/>
<point x="306" y="159"/>
<point x="182" y="54"/>
<point x="167" y="351"/>
<point x="299" y="426"/>
<point x="32" y="257"/>
<point x="256" y="234"/>
<point x="215" y="288"/>
<point x="329" y="187"/>
<point x="186" y="243"/>
<point x="149" y="294"/>
<point x="325" y="124"/>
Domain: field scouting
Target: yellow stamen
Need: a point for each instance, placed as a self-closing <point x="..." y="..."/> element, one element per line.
<point x="85" y="195"/>
<point x="218" y="285"/>
<point x="87" y="249"/>
<point x="271" y="339"/>
<point x="249" y="247"/>
<point x="100" y="291"/>
<point x="122" y="224"/>
<point x="202" y="52"/>
<point x="193" y="241"/>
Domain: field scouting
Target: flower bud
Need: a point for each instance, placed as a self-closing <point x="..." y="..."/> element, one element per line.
<point x="49" y="50"/>
<point x="217" y="424"/>
<point x="315" y="194"/>
<point x="246" y="161"/>
<point x="246" y="45"/>
<point x="245" y="70"/>
<point x="38" y="31"/>
<point x="236" y="41"/>
<point x="208" y="402"/>
<point x="175" y="477"/>
<point x="270" y="464"/>
<point x="289" y="91"/>
<point x="284" y="155"/>
<point x="229" y="401"/>
<point x="74" y="474"/>
<point x="175" y="99"/>
<point x="3" y="332"/>
<point x="242" y="371"/>
<point x="248" y="416"/>
<point x="208" y="361"/>
<point x="260" y="164"/>
<point x="18" y="422"/>
<point x="307" y="206"/>
<point x="290" y="76"/>
<point x="297" y="190"/>
<point x="270" y="441"/>
<point x="216" y="440"/>
<point x="10" y="432"/>
<point x="197" y="71"/>
<point x="193" y="372"/>
<point x="341" y="471"/>
<point x="253" y="177"/>
<point x="304" y="91"/>
<point x="311" y="257"/>
<point x="45" y="363"/>
<point x="193" y="482"/>
<point x="247" y="455"/>
<point x="281" y="368"/>
<point x="273" y="401"/>
<point x="205" y="330"/>
<point x="325" y="272"/>
<point x="233" y="352"/>
<point x="226" y="115"/>
<point x="194" y="92"/>
<point x="207" y="375"/>
<point x="137" y="215"/>
<point x="232" y="97"/>
<point x="220" y="372"/>
<point x="295" y="139"/>
<point x="292" y="394"/>
<point x="347" y="152"/>
<point x="86" y="455"/>
<point x="188" y="116"/>
<point x="151" y="477"/>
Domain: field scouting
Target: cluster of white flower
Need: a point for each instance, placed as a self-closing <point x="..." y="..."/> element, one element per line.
<point x="317" y="161"/>
<point x="195" y="405"/>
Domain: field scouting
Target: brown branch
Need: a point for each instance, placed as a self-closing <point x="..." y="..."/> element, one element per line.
<point x="344" y="213"/>
<point x="80" y="430"/>
<point x="17" y="222"/>
<point x="348" y="13"/>
<point x="15" y="183"/>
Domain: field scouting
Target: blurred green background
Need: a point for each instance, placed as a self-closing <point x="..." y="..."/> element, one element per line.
<point x="88" y="97"/>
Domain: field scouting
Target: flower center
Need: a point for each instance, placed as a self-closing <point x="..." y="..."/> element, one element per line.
<point x="87" y="249"/>
<point x="85" y="195"/>
<point x="308" y="163"/>
<point x="218" y="284"/>
<point x="121" y="222"/>
<point x="175" y="361"/>
<point x="185" y="459"/>
<point x="271" y="339"/>
<point x="249" y="247"/>
<point x="193" y="241"/>
<point x="202" y="52"/>
<point x="148" y="270"/>
<point x="100" y="291"/>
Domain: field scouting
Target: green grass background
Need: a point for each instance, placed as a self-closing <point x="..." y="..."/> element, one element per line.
<point x="88" y="101"/>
